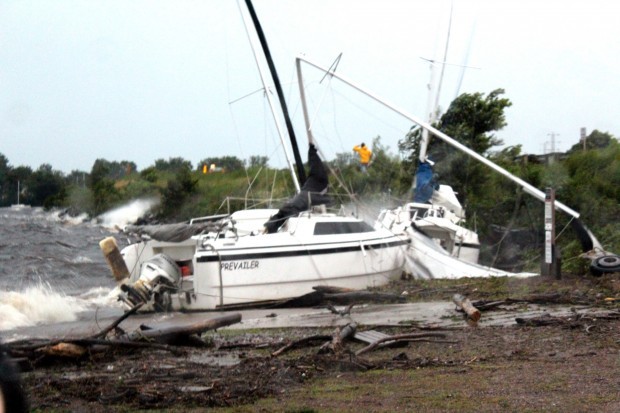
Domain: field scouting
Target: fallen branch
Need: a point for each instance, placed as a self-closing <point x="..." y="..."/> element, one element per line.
<point x="300" y="342"/>
<point x="572" y="320"/>
<point x="553" y="298"/>
<point x="489" y="305"/>
<point x="78" y="347"/>
<point x="340" y="334"/>
<point x="259" y="345"/>
<point x="401" y="337"/>
<point x="119" y="320"/>
<point x="346" y="311"/>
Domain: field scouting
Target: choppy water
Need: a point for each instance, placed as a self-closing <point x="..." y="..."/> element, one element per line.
<point x="51" y="268"/>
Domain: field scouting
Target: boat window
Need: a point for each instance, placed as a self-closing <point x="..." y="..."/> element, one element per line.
<point x="326" y="228"/>
<point x="418" y="211"/>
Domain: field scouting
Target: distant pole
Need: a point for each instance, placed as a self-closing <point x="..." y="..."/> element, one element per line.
<point x="553" y="135"/>
<point x="552" y="263"/>
<point x="583" y="138"/>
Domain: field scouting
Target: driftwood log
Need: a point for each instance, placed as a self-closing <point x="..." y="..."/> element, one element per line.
<point x="464" y="304"/>
<point x="172" y="333"/>
<point x="325" y="295"/>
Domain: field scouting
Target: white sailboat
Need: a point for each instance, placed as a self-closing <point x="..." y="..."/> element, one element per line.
<point x="19" y="205"/>
<point x="436" y="210"/>
<point x="232" y="262"/>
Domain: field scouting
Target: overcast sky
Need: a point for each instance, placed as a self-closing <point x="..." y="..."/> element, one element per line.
<point x="141" y="80"/>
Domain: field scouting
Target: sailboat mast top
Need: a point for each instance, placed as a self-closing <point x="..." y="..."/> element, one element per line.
<point x="434" y="106"/>
<point x="304" y="106"/>
<point x="535" y="192"/>
<point x="301" y="172"/>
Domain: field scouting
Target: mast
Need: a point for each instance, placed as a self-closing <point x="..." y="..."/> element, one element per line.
<point x="271" y="105"/>
<point x="433" y="107"/>
<point x="301" y="173"/>
<point x="304" y="106"/>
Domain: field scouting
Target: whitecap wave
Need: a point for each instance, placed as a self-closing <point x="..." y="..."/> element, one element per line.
<point x="81" y="260"/>
<point x="42" y="305"/>
<point x="127" y="214"/>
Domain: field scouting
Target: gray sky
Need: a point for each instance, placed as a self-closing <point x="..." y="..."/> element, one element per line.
<point x="140" y="80"/>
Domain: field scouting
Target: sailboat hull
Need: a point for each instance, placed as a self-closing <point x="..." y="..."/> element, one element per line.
<point x="224" y="271"/>
<point x="292" y="268"/>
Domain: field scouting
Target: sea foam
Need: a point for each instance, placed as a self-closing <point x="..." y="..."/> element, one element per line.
<point x="42" y="305"/>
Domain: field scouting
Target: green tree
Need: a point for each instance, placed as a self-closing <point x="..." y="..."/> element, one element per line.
<point x="256" y="161"/>
<point x="381" y="179"/>
<point x="344" y="161"/>
<point x="149" y="174"/>
<point x="177" y="192"/>
<point x="47" y="187"/>
<point x="20" y="177"/>
<point x="172" y="164"/>
<point x="595" y="140"/>
<point x="594" y="182"/>
<point x="5" y="170"/>
<point x="471" y="120"/>
<point x="105" y="194"/>
<point x="128" y="167"/>
<point x="77" y="178"/>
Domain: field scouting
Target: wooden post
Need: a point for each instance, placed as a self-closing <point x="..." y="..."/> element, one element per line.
<point x="551" y="264"/>
<point x="464" y="304"/>
<point x="114" y="258"/>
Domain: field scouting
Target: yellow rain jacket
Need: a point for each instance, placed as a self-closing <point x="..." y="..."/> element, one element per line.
<point x="364" y="153"/>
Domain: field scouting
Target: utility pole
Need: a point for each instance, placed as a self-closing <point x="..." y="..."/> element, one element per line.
<point x="552" y="264"/>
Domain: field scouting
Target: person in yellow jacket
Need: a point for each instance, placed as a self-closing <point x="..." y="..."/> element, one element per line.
<point x="365" y="156"/>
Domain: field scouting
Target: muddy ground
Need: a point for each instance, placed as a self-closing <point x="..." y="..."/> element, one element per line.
<point x="562" y="364"/>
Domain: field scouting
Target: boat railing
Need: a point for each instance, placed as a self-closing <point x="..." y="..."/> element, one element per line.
<point x="229" y="203"/>
<point x="207" y="218"/>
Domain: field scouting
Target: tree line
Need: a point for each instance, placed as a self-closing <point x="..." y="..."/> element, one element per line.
<point x="50" y="188"/>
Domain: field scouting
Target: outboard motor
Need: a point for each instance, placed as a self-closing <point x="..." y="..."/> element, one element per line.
<point x="159" y="277"/>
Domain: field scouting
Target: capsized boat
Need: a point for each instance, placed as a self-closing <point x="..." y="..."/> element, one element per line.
<point x="442" y="219"/>
<point x="423" y="260"/>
